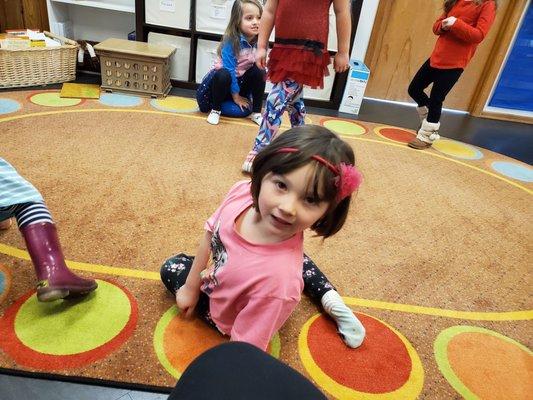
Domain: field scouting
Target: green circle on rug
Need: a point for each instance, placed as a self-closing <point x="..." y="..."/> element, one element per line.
<point x="342" y="127"/>
<point x="483" y="364"/>
<point x="457" y="149"/>
<point x="53" y="100"/>
<point x="175" y="104"/>
<point x="72" y="327"/>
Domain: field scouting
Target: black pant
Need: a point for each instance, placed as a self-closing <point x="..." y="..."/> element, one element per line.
<point x="237" y="370"/>
<point x="251" y="82"/>
<point x="443" y="81"/>
<point x="175" y="270"/>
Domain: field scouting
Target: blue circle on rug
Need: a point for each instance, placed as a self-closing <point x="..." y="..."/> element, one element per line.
<point x="2" y="282"/>
<point x="9" y="106"/>
<point x="120" y="100"/>
<point x="513" y="170"/>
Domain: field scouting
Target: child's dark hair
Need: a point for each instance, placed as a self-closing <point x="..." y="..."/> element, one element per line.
<point x="233" y="30"/>
<point x="448" y="4"/>
<point x="310" y="140"/>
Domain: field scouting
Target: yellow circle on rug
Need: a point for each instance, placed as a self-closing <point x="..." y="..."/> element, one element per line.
<point x="52" y="99"/>
<point x="343" y="127"/>
<point x="457" y="149"/>
<point x="175" y="104"/>
<point x="483" y="364"/>
<point x="72" y="327"/>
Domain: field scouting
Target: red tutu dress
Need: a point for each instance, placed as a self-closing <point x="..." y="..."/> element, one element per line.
<point x="300" y="50"/>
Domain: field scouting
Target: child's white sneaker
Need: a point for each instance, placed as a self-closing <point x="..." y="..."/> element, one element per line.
<point x="214" y="117"/>
<point x="349" y="327"/>
<point x="257" y="118"/>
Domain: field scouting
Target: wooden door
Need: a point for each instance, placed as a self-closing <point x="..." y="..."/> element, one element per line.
<point x="20" y="14"/>
<point x="402" y="39"/>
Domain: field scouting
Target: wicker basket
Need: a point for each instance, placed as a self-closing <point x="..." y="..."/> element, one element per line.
<point x="39" y="65"/>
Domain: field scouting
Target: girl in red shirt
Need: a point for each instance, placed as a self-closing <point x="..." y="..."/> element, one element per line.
<point x="463" y="25"/>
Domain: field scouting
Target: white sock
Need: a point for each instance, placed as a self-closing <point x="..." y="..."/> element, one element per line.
<point x="257" y="118"/>
<point x="349" y="327"/>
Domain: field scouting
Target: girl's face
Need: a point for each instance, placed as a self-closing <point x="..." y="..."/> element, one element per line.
<point x="250" y="20"/>
<point x="287" y="204"/>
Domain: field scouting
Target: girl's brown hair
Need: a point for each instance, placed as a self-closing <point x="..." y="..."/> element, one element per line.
<point x="233" y="30"/>
<point x="448" y="4"/>
<point x="310" y="140"/>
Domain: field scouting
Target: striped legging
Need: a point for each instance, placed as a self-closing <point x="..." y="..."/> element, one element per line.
<point x="27" y="213"/>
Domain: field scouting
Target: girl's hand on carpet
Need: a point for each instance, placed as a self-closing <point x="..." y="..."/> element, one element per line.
<point x="186" y="299"/>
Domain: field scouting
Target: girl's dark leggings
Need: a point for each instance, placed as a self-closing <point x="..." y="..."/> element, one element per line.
<point x="175" y="270"/>
<point x="443" y="81"/>
<point x="252" y="82"/>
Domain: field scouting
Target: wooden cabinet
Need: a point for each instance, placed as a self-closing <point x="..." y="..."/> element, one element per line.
<point x="20" y="14"/>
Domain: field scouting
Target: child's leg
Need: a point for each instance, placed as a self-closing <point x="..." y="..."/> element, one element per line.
<point x="282" y="94"/>
<point x="220" y="88"/>
<point x="174" y="272"/>
<point x="444" y="81"/>
<point x="296" y="109"/>
<point x="422" y="79"/>
<point x="318" y="287"/>
<point x="253" y="82"/>
<point x="56" y="280"/>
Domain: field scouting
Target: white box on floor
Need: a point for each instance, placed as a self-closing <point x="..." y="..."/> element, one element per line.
<point x="355" y="87"/>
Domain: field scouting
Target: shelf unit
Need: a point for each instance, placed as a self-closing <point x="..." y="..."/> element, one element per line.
<point x="195" y="27"/>
<point x="92" y="20"/>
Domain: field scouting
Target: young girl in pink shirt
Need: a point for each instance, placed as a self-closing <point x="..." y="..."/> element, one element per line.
<point x="303" y="179"/>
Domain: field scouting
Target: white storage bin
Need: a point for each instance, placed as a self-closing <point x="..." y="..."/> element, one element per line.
<point x="212" y="16"/>
<point x="171" y="13"/>
<point x="206" y="55"/>
<point x="179" y="62"/>
<point x="315" y="94"/>
<point x="324" y="93"/>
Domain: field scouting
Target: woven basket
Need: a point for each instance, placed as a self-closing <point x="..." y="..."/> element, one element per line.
<point x="39" y="65"/>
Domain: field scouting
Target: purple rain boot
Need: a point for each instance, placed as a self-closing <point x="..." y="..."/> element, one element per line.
<point x="56" y="280"/>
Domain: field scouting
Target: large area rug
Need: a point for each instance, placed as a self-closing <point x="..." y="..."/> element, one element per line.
<point x="435" y="257"/>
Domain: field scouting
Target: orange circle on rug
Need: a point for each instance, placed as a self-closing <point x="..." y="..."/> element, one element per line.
<point x="385" y="366"/>
<point x="62" y="334"/>
<point x="395" y="134"/>
<point x="5" y="282"/>
<point x="483" y="364"/>
<point x="178" y="341"/>
<point x="343" y="126"/>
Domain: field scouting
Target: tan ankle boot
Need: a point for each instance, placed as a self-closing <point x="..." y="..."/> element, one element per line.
<point x="427" y="134"/>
